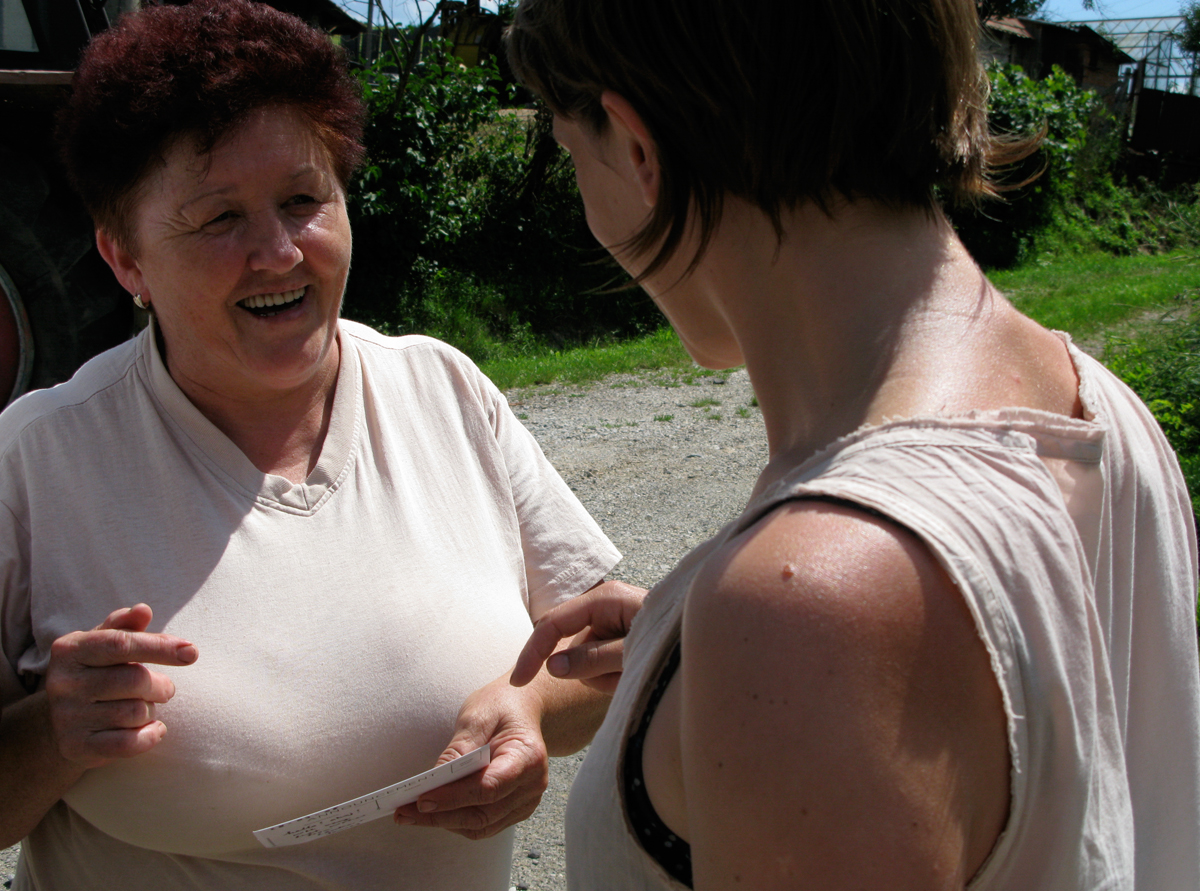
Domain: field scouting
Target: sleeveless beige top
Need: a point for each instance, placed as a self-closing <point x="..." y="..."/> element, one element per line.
<point x="1073" y="545"/>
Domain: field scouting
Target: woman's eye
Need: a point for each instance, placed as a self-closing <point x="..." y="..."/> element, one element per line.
<point x="299" y="200"/>
<point x="220" y="218"/>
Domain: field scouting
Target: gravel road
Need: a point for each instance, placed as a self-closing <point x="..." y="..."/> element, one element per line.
<point x="662" y="461"/>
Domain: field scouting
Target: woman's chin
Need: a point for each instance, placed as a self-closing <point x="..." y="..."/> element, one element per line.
<point x="259" y="369"/>
<point x="713" y="359"/>
<point x="290" y="370"/>
<point x="289" y="352"/>
<point x="715" y="364"/>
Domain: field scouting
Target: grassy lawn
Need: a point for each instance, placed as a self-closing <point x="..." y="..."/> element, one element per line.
<point x="660" y="350"/>
<point x="1084" y="296"/>
<point x="1088" y="295"/>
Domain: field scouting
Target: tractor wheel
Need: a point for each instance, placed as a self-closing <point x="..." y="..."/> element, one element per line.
<point x="16" y="342"/>
<point x="74" y="306"/>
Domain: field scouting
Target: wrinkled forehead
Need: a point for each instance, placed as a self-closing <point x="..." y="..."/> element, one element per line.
<point x="270" y="142"/>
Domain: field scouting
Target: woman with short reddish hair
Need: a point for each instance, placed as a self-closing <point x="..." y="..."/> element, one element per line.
<point x="951" y="640"/>
<point x="259" y="561"/>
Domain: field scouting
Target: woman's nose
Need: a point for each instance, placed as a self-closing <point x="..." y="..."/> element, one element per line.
<point x="273" y="245"/>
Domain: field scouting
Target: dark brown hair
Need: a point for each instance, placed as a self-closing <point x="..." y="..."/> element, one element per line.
<point x="777" y="102"/>
<point x="196" y="71"/>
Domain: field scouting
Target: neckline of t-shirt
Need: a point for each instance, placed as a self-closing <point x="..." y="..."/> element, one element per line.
<point x="230" y="465"/>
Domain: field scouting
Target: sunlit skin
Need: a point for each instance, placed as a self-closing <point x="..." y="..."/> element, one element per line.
<point x="260" y="215"/>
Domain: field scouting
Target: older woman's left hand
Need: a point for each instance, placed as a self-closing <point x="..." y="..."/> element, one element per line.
<point x="508" y="790"/>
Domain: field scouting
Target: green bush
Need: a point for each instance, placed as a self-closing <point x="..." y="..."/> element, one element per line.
<point x="1163" y="368"/>
<point x="406" y="205"/>
<point x="1075" y="159"/>
<point x="1077" y="201"/>
<point x="1123" y="219"/>
<point x="468" y="225"/>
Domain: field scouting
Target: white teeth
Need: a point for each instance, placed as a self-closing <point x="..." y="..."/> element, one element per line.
<point x="262" y="301"/>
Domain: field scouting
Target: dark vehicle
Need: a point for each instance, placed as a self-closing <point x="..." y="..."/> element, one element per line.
<point x="60" y="303"/>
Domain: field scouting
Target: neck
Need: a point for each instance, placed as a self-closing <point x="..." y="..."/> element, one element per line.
<point x="281" y="432"/>
<point x="855" y="318"/>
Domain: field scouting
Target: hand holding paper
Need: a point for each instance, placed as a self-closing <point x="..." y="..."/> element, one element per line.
<point x="372" y="806"/>
<point x="507" y="720"/>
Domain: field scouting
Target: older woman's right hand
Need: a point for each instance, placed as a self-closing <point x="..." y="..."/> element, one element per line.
<point x="102" y="697"/>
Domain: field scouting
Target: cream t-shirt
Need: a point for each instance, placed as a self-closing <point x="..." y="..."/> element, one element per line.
<point x="340" y="622"/>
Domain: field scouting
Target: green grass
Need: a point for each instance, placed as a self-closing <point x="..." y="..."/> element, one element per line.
<point x="579" y="366"/>
<point x="1085" y="295"/>
<point x="1081" y="295"/>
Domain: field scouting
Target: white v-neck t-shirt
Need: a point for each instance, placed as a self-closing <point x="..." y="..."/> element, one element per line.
<point x="340" y="622"/>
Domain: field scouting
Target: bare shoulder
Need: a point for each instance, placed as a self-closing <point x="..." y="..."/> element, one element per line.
<point x="858" y="698"/>
<point x="831" y="574"/>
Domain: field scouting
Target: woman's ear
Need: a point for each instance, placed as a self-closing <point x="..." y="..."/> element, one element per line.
<point x="633" y="140"/>
<point x="121" y="261"/>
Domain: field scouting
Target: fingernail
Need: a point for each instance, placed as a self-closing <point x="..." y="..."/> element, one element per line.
<point x="426" y="807"/>
<point x="558" y="665"/>
<point x="187" y="653"/>
<point x="402" y="820"/>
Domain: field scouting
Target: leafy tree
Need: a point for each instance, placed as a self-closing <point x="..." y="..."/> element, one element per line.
<point x="1189" y="35"/>
<point x="1189" y="39"/>
<point x="1076" y="156"/>
<point x="467" y="222"/>
<point x="1004" y="8"/>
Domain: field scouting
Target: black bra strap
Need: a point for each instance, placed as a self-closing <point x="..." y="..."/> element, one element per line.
<point x="670" y="851"/>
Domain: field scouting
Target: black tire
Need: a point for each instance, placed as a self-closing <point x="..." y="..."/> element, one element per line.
<point x="74" y="305"/>
<point x="16" y="342"/>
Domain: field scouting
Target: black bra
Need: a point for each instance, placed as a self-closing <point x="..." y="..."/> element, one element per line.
<point x="668" y="850"/>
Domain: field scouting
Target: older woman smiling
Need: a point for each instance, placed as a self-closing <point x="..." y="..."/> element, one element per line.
<point x="243" y="253"/>
<point x="329" y="544"/>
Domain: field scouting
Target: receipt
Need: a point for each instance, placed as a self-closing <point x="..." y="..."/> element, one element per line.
<point x="371" y="806"/>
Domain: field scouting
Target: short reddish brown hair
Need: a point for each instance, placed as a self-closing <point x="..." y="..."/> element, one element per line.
<point x="778" y="102"/>
<point x="196" y="72"/>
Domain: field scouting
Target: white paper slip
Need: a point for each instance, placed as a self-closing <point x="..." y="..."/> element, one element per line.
<point x="371" y="806"/>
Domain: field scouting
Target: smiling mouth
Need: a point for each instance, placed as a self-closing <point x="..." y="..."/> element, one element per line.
<point x="263" y="305"/>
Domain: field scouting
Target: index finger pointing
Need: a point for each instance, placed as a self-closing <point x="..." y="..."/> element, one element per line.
<point x="113" y="646"/>
<point x="561" y="622"/>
